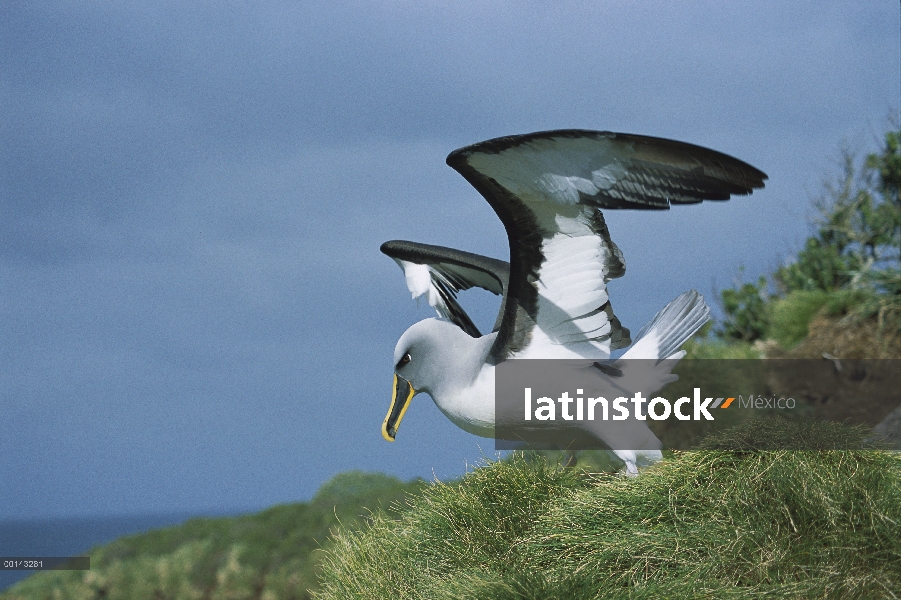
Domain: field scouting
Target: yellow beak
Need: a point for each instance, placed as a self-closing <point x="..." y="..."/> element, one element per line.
<point x="400" y="401"/>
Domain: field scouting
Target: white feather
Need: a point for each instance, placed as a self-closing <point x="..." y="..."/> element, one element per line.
<point x="571" y="287"/>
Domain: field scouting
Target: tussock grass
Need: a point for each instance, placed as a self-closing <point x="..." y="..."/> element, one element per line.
<point x="458" y="540"/>
<point x="790" y="317"/>
<point x="705" y="524"/>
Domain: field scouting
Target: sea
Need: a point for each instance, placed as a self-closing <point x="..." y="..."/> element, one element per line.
<point x="74" y="536"/>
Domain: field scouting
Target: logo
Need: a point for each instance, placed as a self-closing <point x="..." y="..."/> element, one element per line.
<point x="590" y="409"/>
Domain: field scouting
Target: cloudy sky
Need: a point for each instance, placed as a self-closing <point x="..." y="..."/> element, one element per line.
<point x="194" y="314"/>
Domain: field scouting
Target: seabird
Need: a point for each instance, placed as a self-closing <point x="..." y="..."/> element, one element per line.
<point x="548" y="189"/>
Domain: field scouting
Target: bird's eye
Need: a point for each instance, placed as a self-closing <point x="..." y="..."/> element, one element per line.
<point x="407" y="358"/>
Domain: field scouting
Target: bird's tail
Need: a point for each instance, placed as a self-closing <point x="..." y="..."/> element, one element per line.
<point x="671" y="327"/>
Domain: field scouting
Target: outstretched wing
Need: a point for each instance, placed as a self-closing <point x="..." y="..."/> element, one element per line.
<point x="547" y="188"/>
<point x="439" y="273"/>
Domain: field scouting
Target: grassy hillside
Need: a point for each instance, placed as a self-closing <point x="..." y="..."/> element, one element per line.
<point x="268" y="555"/>
<point x="706" y="524"/>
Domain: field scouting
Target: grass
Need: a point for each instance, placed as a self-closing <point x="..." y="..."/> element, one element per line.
<point x="704" y="524"/>
<point x="270" y="555"/>
<point x="711" y="524"/>
<point x="790" y="317"/>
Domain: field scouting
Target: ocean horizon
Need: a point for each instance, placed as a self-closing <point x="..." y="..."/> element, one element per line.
<point x="77" y="535"/>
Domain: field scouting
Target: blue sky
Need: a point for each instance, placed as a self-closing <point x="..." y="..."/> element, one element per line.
<point x="194" y="314"/>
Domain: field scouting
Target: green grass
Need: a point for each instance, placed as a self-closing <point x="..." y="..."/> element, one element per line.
<point x="272" y="555"/>
<point x="790" y="316"/>
<point x="719" y="349"/>
<point x="706" y="524"/>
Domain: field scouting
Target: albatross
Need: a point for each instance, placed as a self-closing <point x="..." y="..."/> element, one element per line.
<point x="548" y="189"/>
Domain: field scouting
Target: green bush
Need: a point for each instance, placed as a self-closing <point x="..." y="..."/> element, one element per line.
<point x="745" y="307"/>
<point x="852" y="262"/>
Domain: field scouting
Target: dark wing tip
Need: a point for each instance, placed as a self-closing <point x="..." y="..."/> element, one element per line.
<point x="429" y="254"/>
<point x="394" y="248"/>
<point x="739" y="177"/>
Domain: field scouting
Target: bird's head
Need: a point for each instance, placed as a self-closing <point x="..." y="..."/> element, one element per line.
<point x="421" y="358"/>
